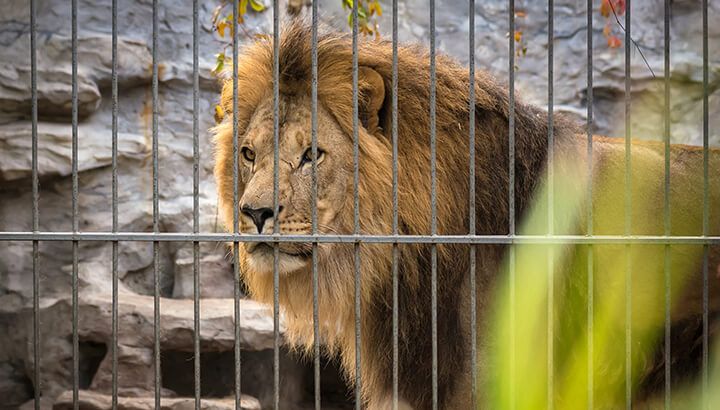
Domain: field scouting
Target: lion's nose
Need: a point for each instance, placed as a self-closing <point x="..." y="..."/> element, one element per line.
<point x="258" y="215"/>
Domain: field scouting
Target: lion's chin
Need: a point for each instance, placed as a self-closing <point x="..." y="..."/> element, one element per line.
<point x="261" y="261"/>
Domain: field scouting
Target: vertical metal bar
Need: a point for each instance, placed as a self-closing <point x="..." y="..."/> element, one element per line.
<point x="628" y="212"/>
<point x="196" y="205"/>
<point x="666" y="205"/>
<point x="511" y="191"/>
<point x="75" y="189"/>
<point x="313" y="131"/>
<point x="35" y="204"/>
<point x="356" y="206"/>
<point x="276" y="202"/>
<point x="115" y="278"/>
<point x="395" y="250"/>
<point x="433" y="210"/>
<point x="590" y="279"/>
<point x="706" y="207"/>
<point x="471" y="202"/>
<point x="156" y="220"/>
<point x="236" y="217"/>
<point x="550" y="204"/>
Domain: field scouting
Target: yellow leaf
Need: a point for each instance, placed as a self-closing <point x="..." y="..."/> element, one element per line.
<point x="219" y="113"/>
<point x="518" y="36"/>
<point x="221" y="26"/>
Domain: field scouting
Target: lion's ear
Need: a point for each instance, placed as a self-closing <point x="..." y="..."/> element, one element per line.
<point x="372" y="96"/>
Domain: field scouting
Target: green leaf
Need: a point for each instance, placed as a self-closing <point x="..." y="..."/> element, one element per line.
<point x="257" y="5"/>
<point x="219" y="63"/>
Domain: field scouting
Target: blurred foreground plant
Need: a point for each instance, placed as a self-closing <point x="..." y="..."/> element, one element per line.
<point x="571" y="320"/>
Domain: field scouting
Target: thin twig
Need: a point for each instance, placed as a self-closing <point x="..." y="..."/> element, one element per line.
<point x="631" y="39"/>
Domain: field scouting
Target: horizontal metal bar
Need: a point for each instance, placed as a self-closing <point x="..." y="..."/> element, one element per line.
<point x="322" y="238"/>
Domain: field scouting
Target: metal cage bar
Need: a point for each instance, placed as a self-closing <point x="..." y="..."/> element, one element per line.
<point x="628" y="209"/>
<point x="156" y="208"/>
<point x="115" y="278"/>
<point x="356" y="208"/>
<point x="35" y="204"/>
<point x="236" y="216"/>
<point x="196" y="204"/>
<point x="75" y="189"/>
<point x="433" y="211"/>
<point x="395" y="250"/>
<point x="511" y="191"/>
<point x="276" y="203"/>
<point x="351" y="238"/>
<point x="706" y="209"/>
<point x="314" y="132"/>
<point x="666" y="203"/>
<point x="471" y="203"/>
<point x="589" y="228"/>
<point x="550" y="213"/>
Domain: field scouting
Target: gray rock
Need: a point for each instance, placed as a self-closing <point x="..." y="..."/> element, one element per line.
<point x="134" y="370"/>
<point x="55" y="149"/>
<point x="217" y="324"/>
<point x="215" y="275"/>
<point x="96" y="401"/>
<point x="15" y="388"/>
<point x="54" y="74"/>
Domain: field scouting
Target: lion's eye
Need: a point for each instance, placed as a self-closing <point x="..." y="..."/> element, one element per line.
<point x="307" y="156"/>
<point x="248" y="154"/>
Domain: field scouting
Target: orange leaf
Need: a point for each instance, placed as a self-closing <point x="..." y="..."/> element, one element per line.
<point x="221" y="26"/>
<point x="607" y="30"/>
<point x="614" y="42"/>
<point x="619" y="6"/>
<point x="520" y="13"/>
<point x="605" y="8"/>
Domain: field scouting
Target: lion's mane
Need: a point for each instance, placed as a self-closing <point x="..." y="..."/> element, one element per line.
<point x="336" y="280"/>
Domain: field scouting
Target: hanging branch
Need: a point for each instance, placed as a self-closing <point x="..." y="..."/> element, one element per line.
<point x="637" y="46"/>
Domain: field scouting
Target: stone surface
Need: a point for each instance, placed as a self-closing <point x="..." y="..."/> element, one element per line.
<point x="54" y="74"/>
<point x="135" y="336"/>
<point x="215" y="274"/>
<point x="55" y="149"/>
<point x="96" y="401"/>
<point x="217" y="324"/>
<point x="15" y="388"/>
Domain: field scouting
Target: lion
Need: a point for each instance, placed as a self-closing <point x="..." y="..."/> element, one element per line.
<point x="335" y="206"/>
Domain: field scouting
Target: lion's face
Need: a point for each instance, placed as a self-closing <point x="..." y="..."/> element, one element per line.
<point x="256" y="176"/>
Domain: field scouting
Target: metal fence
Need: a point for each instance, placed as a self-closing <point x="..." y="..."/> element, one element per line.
<point x="471" y="239"/>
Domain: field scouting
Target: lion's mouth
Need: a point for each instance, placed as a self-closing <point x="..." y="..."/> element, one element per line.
<point x="297" y="250"/>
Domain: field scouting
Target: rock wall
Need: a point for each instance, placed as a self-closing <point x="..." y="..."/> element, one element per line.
<point x="135" y="265"/>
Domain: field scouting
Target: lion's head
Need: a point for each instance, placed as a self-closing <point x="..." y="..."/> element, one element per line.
<point x="335" y="170"/>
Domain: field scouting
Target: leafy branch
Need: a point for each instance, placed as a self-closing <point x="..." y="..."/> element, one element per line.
<point x="368" y="11"/>
<point x="223" y="23"/>
<point x="617" y="7"/>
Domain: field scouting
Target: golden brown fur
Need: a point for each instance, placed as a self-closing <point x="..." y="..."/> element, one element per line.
<point x="336" y="262"/>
